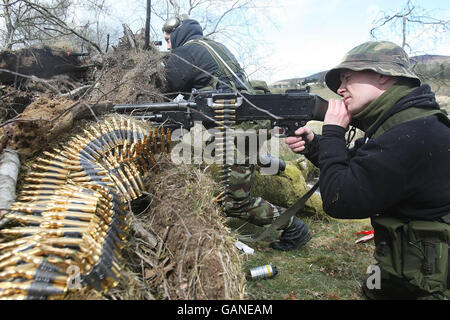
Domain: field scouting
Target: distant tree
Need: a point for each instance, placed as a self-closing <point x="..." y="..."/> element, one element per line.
<point x="418" y="28"/>
<point x="30" y="22"/>
<point x="309" y="80"/>
<point x="411" y="21"/>
<point x="26" y="21"/>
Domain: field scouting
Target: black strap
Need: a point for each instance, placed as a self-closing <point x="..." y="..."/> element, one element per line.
<point x="426" y="100"/>
<point x="285" y="217"/>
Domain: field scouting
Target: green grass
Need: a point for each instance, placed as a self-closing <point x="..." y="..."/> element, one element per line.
<point x="331" y="266"/>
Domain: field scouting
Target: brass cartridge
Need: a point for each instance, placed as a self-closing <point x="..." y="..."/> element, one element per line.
<point x="44" y="181"/>
<point x="50" y="168"/>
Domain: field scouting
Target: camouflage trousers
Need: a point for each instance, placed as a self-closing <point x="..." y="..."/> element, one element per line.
<point x="238" y="202"/>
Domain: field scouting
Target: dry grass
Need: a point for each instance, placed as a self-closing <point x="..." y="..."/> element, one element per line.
<point x="195" y="257"/>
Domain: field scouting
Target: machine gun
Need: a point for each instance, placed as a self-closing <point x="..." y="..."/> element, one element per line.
<point x="288" y="111"/>
<point x="223" y="111"/>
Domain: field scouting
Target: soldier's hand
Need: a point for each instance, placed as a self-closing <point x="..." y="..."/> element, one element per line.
<point x="297" y="143"/>
<point x="337" y="114"/>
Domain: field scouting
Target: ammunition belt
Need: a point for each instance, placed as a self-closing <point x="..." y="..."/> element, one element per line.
<point x="72" y="211"/>
<point x="225" y="117"/>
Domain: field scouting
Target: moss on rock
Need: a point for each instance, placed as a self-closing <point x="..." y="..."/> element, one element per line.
<point x="286" y="188"/>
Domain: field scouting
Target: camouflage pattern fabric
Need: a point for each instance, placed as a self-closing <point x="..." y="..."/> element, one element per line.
<point x="383" y="57"/>
<point x="238" y="202"/>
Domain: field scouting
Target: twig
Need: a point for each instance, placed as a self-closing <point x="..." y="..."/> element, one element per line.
<point x="33" y="78"/>
<point x="16" y="119"/>
<point x="163" y="240"/>
<point x="140" y="230"/>
<point x="8" y="94"/>
<point x="75" y="91"/>
<point x="180" y="274"/>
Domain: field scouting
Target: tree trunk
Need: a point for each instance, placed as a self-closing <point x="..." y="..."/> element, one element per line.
<point x="147" y="25"/>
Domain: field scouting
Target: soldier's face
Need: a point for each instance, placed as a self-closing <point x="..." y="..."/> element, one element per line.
<point x="167" y="38"/>
<point x="359" y="88"/>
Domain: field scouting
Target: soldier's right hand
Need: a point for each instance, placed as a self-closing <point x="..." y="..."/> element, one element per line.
<point x="297" y="143"/>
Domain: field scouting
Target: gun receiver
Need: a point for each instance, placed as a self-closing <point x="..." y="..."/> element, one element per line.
<point x="288" y="111"/>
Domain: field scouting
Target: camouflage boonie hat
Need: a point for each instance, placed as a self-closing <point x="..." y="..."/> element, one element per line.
<point x="383" y="57"/>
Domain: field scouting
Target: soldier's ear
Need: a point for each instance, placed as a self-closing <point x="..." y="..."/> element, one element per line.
<point x="386" y="80"/>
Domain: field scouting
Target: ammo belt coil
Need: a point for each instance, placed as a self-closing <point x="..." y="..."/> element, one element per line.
<point x="225" y="117"/>
<point x="72" y="211"/>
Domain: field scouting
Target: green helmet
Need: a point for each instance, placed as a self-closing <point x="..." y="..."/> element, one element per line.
<point x="383" y="57"/>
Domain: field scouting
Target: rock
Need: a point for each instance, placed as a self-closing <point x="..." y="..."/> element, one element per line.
<point x="286" y="188"/>
<point x="309" y="171"/>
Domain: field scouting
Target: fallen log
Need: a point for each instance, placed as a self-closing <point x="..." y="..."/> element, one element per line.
<point x="39" y="62"/>
<point x="9" y="170"/>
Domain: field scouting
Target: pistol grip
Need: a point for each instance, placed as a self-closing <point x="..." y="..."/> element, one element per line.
<point x="307" y="145"/>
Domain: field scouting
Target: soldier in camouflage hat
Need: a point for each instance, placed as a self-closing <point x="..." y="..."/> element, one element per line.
<point x="382" y="57"/>
<point x="397" y="174"/>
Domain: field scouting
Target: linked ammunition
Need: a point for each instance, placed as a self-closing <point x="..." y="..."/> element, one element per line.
<point x="42" y="187"/>
<point x="116" y="128"/>
<point x="112" y="133"/>
<point x="10" y="245"/>
<point x="59" y="157"/>
<point x="132" y="180"/>
<point x="47" y="181"/>
<point x="35" y="288"/>
<point x="75" y="203"/>
<point x="58" y="199"/>
<point x="46" y="223"/>
<point x="18" y="256"/>
<point x="18" y="231"/>
<point x="108" y="135"/>
<point x="35" y="207"/>
<point x="67" y="214"/>
<point x="50" y="169"/>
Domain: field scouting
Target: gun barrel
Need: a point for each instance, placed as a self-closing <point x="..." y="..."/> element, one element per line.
<point x="164" y="106"/>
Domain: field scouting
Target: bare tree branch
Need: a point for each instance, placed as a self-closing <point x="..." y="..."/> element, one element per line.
<point x="409" y="17"/>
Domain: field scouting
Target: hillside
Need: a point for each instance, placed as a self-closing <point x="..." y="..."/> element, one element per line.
<point x="427" y="66"/>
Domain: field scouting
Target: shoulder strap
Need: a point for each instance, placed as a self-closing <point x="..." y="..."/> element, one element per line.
<point x="417" y="104"/>
<point x="404" y="116"/>
<point x="219" y="54"/>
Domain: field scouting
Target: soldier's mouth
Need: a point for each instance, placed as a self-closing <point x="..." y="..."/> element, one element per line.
<point x="346" y="100"/>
